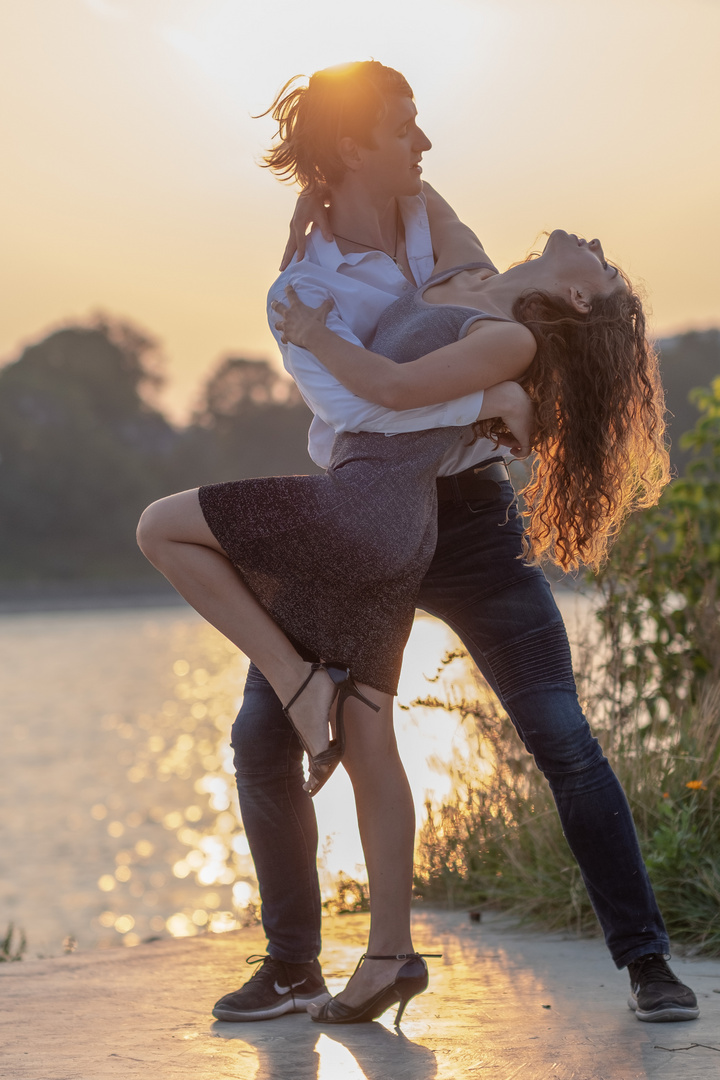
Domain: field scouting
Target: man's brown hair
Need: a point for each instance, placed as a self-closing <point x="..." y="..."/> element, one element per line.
<point x="347" y="100"/>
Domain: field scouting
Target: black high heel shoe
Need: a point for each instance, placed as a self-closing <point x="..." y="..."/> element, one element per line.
<point x="323" y="765"/>
<point x="411" y="979"/>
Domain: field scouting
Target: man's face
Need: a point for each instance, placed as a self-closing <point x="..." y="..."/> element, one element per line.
<point x="392" y="166"/>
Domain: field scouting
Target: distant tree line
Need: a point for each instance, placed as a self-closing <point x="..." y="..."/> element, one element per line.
<point x="84" y="445"/>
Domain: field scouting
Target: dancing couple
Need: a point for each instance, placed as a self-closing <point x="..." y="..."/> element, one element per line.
<point x="422" y="365"/>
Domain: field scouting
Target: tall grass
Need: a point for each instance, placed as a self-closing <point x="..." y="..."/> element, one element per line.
<point x="649" y="680"/>
<point x="12" y="945"/>
<point x="497" y="840"/>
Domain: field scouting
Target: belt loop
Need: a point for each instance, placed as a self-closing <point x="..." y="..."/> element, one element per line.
<point x="455" y="484"/>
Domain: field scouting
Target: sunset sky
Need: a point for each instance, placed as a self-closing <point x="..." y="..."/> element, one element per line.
<point x="130" y="178"/>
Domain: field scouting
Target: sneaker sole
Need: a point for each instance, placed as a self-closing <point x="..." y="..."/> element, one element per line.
<point x="665" y="1014"/>
<point x="300" y="1004"/>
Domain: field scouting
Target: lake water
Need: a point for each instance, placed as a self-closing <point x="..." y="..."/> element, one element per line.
<point x="118" y="806"/>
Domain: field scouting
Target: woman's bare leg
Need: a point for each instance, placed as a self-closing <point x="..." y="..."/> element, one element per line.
<point x="386" y="817"/>
<point x="175" y="537"/>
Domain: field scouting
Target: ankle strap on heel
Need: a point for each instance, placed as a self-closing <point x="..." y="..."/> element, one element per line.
<point x="404" y="956"/>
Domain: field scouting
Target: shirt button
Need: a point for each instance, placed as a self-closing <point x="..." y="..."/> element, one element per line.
<point x="406" y="286"/>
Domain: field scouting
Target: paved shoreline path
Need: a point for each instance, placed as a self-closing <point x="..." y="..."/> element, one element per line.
<point x="504" y="1003"/>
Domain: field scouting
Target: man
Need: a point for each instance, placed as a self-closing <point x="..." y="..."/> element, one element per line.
<point x="354" y="131"/>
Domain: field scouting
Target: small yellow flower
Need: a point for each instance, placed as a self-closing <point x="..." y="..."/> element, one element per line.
<point x="696" y="785"/>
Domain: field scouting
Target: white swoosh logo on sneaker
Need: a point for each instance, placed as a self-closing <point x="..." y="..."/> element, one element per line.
<point x="286" y="989"/>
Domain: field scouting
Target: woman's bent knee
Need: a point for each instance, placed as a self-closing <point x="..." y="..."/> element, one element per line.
<point x="175" y="519"/>
<point x="150" y="529"/>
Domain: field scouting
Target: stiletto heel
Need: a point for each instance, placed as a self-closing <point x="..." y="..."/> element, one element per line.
<point x="321" y="766"/>
<point x="401" y="1010"/>
<point x="411" y="980"/>
<point x="351" y="690"/>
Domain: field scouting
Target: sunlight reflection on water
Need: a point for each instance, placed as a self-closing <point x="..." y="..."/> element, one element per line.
<point x="118" y="799"/>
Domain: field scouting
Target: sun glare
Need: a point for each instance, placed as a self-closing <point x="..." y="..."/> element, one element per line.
<point x="224" y="40"/>
<point x="336" y="1062"/>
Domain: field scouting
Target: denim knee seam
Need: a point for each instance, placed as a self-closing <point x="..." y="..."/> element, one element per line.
<point x="521" y="691"/>
<point x="536" y="659"/>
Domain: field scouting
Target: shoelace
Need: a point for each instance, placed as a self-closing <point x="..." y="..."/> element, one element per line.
<point x="258" y="958"/>
<point x="652" y="969"/>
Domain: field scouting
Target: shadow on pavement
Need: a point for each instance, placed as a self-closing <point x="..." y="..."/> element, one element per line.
<point x="295" y="1046"/>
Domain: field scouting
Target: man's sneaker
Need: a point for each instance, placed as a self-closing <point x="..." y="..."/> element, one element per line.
<point x="656" y="994"/>
<point x="274" y="989"/>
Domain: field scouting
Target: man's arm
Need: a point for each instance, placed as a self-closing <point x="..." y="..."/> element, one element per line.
<point x="454" y="243"/>
<point x="337" y="406"/>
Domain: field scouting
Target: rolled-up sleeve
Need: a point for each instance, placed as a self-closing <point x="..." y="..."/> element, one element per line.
<point x="337" y="406"/>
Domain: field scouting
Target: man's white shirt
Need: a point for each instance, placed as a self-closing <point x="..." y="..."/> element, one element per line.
<point x="362" y="287"/>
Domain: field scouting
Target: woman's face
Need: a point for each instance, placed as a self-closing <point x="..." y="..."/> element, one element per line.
<point x="580" y="264"/>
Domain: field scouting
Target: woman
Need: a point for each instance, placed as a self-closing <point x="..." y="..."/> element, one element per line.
<point x="332" y="564"/>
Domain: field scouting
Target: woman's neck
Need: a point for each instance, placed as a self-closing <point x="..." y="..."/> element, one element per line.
<point x="498" y="294"/>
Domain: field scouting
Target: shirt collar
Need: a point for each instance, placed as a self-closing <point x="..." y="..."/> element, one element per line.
<point x="328" y="254"/>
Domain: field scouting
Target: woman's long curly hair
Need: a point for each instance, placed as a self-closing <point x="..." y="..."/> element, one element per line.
<point x="600" y="425"/>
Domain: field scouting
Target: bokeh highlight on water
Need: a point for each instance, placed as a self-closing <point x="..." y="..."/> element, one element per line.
<point x="117" y="794"/>
<point x="118" y="800"/>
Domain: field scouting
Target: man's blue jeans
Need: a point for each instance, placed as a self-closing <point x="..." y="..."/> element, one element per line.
<point x="506" y="617"/>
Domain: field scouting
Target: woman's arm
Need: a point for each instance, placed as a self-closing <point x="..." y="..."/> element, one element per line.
<point x="491" y="353"/>
<point x="310" y="208"/>
<point x="454" y="243"/>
